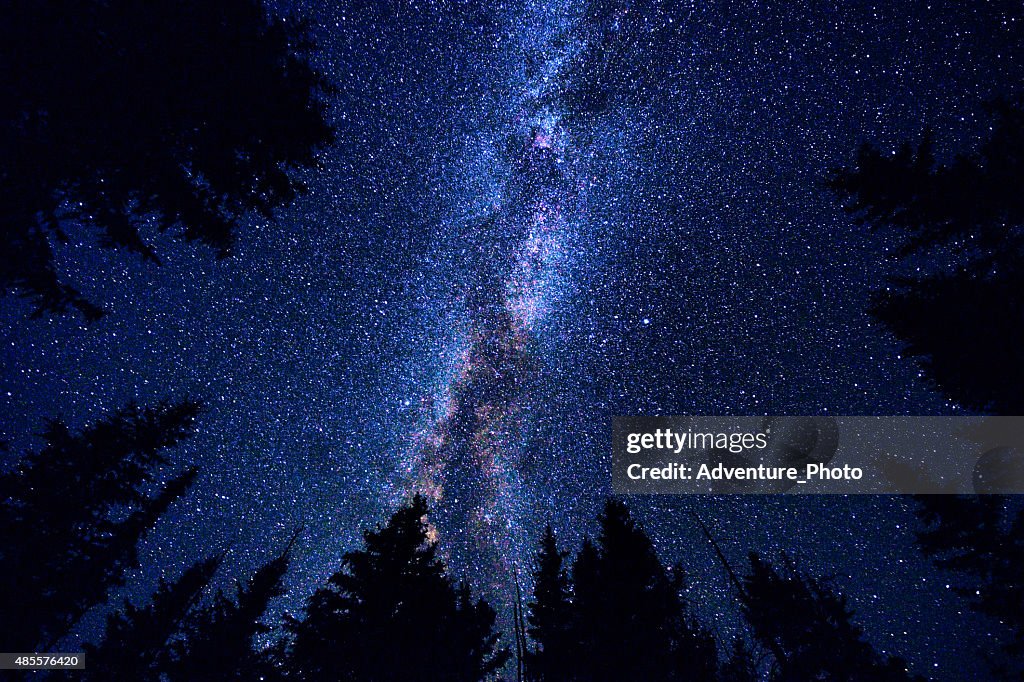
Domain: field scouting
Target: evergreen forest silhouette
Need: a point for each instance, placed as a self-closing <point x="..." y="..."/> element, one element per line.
<point x="75" y="509"/>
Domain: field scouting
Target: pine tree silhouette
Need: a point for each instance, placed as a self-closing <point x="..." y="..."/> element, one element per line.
<point x="135" y="644"/>
<point x="981" y="540"/>
<point x="217" y="641"/>
<point x="809" y="629"/>
<point x="550" y="615"/>
<point x="119" y="115"/>
<point x="74" y="512"/>
<point x="630" y="620"/>
<point x="962" y="311"/>
<point x="392" y="613"/>
<point x="587" y="615"/>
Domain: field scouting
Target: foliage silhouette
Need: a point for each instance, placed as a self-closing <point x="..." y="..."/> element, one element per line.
<point x="962" y="230"/>
<point x="217" y="641"/>
<point x="809" y="629"/>
<point x="550" y="615"/>
<point x="980" y="539"/>
<point x="73" y="513"/>
<point x="175" y="637"/>
<point x="134" y="646"/>
<point x="122" y="115"/>
<point x="627" y="617"/>
<point x="392" y="613"/>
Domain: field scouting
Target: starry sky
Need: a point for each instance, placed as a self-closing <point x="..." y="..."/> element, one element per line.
<point x="537" y="216"/>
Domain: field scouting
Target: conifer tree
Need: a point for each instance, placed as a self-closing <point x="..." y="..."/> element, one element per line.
<point x="121" y="117"/>
<point x="550" y="614"/>
<point x="392" y="613"/>
<point x="809" y="628"/>
<point x="217" y="641"/>
<point x="587" y="613"/>
<point x="73" y="514"/>
<point x="135" y="646"/>
<point x="630" y="620"/>
<point x="980" y="539"/>
<point x="961" y="231"/>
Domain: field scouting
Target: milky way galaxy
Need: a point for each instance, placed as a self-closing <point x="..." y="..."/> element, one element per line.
<point x="537" y="215"/>
<point x="481" y="424"/>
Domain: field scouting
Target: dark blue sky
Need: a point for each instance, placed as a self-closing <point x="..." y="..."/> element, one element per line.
<point x="696" y="265"/>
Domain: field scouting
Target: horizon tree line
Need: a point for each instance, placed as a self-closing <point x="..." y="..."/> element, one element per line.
<point x="74" y="511"/>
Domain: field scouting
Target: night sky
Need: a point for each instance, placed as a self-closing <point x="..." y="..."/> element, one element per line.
<point x="513" y="240"/>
